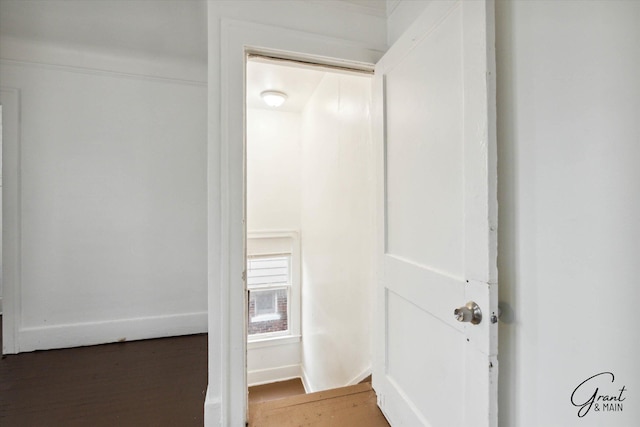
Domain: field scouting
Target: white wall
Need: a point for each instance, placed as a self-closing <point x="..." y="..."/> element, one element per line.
<point x="1" y="139"/>
<point x="271" y="363"/>
<point x="314" y="168"/>
<point x="273" y="204"/>
<point x="1" y="133"/>
<point x="569" y="193"/>
<point x="337" y="232"/>
<point x="112" y="197"/>
<point x="273" y="170"/>
<point x="9" y="99"/>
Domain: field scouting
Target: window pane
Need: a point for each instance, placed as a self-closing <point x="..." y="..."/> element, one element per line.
<point x="265" y="302"/>
<point x="268" y="311"/>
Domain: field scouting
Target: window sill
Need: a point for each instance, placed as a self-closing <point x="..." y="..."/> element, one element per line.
<point x="273" y="341"/>
<point x="266" y="317"/>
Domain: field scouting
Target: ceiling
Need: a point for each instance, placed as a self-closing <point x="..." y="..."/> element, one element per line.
<point x="297" y="82"/>
<point x="176" y="28"/>
<point x="156" y="28"/>
<point x="379" y="7"/>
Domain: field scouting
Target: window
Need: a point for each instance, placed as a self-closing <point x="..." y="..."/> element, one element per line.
<point x="269" y="284"/>
<point x="273" y="284"/>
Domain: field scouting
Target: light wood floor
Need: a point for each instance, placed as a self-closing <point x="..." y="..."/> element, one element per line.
<point x="275" y="391"/>
<point x="353" y="406"/>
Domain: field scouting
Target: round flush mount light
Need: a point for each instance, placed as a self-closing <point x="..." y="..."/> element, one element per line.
<point x="273" y="98"/>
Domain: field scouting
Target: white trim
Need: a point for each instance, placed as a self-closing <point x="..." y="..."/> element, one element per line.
<point x="305" y="381"/>
<point x="361" y="376"/>
<point x="212" y="409"/>
<point x="102" y="72"/>
<point x="355" y="380"/>
<point x="271" y="375"/>
<point x="121" y="63"/>
<point x="273" y="341"/>
<point x="272" y="234"/>
<point x="329" y="50"/>
<point x="91" y="333"/>
<point x="268" y="316"/>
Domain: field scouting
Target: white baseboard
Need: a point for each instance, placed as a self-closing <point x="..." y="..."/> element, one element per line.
<point x="92" y="333"/>
<point x="271" y="375"/>
<point x="305" y="381"/>
<point x="212" y="411"/>
<point x="361" y="376"/>
<point x="355" y="380"/>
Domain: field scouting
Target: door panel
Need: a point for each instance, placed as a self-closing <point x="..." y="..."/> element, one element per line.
<point x="425" y="155"/>
<point x="404" y="350"/>
<point x="434" y="108"/>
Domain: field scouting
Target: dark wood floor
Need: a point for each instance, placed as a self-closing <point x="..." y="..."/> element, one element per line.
<point x="156" y="383"/>
<point x="159" y="382"/>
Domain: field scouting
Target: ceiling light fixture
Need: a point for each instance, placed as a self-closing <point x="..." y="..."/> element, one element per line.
<point x="273" y="98"/>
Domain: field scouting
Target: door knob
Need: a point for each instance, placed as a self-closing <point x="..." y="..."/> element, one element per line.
<point x="469" y="313"/>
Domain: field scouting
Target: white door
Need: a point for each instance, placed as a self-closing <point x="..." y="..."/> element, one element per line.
<point x="437" y="213"/>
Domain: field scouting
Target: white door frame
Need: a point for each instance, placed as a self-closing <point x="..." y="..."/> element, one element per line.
<point x="227" y="183"/>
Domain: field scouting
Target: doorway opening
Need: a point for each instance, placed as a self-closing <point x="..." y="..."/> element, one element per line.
<point x="310" y="224"/>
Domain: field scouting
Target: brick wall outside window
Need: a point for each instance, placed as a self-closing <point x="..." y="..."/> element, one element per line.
<point x="277" y="325"/>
